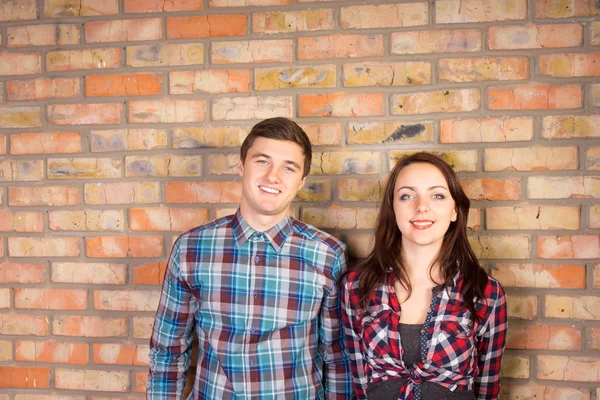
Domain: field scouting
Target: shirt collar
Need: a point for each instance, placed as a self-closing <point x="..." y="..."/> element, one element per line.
<point x="276" y="236"/>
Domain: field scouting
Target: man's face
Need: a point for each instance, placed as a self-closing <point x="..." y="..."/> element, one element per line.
<point x="271" y="175"/>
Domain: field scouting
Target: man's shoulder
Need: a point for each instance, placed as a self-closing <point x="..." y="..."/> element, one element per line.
<point x="310" y="232"/>
<point x="208" y="228"/>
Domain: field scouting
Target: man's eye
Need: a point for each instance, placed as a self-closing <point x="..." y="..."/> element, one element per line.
<point x="290" y="169"/>
<point x="261" y="161"/>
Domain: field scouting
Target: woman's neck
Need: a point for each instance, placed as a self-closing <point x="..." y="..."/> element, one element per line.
<point x="418" y="261"/>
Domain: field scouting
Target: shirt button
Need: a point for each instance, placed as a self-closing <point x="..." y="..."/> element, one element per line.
<point x="256" y="293"/>
<point x="256" y="259"/>
<point x="253" y="329"/>
<point x="251" y="362"/>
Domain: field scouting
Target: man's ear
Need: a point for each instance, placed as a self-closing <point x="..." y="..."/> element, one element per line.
<point x="241" y="168"/>
<point x="302" y="182"/>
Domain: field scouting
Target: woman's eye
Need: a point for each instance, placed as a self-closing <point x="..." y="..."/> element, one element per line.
<point x="439" y="196"/>
<point x="405" y="197"/>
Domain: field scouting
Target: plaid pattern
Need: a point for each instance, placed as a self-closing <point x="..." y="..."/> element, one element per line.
<point x="456" y="354"/>
<point x="265" y="308"/>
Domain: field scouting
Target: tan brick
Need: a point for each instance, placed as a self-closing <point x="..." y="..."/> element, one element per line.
<point x="150" y="6"/>
<point x="459" y="100"/>
<point x="208" y="136"/>
<point x="18" y="10"/>
<point x="504" y="246"/>
<point x="569" y="247"/>
<point x="21" y="221"/>
<point x="82" y="59"/>
<point x="570" y="65"/>
<point x="594" y="340"/>
<point x="461" y="11"/>
<point x="142" y="327"/>
<point x="209" y="81"/>
<point x="88" y="326"/>
<point x="595" y="28"/>
<point x="486" y="130"/>
<point x="492" y="189"/>
<point x="43" y="88"/>
<point x="595" y="94"/>
<point x="23" y="324"/>
<point x="206" y="26"/>
<point x="50" y="299"/>
<point x="48" y="397"/>
<point x="165" y="55"/>
<point x="88" y="273"/>
<point x="148" y="274"/>
<point x="483" y="69"/>
<point x="543" y="337"/>
<point x="532" y="36"/>
<point x="341" y="104"/>
<point x="387" y="74"/>
<point x="163" y="166"/>
<point x="43" y="247"/>
<point x="84" y="114"/>
<point x="436" y="41"/>
<point x="5" y="295"/>
<point x="564" y="368"/>
<point x="315" y="190"/>
<point x="122" y="193"/>
<point x="166" y="219"/>
<point x="203" y="192"/>
<point x="52" y="352"/>
<point x="582" y="307"/>
<point x="534" y="96"/>
<point x="166" y="111"/>
<point x="83" y="8"/>
<point x="340" y="46"/>
<point x="123" y="30"/>
<point x="20" y="117"/>
<point x="251" y="51"/>
<point x="565" y="8"/>
<point x="128" y="139"/>
<point x="126" y="300"/>
<point x="563" y="187"/>
<point x="124" y="246"/>
<point x="45" y="143"/>
<point x="43" y="35"/>
<point x="360" y="190"/>
<point x="329" y="134"/>
<point x="390" y="132"/>
<point x="531" y="159"/>
<point x="459" y="160"/>
<point x="6" y="353"/>
<point x="20" y="63"/>
<point x="11" y="272"/>
<point x="293" y="21"/>
<point x="547" y="276"/>
<point x="83" y="168"/>
<point x="515" y="367"/>
<point x="91" y="380"/>
<point x="531" y="391"/>
<point x="86" y="220"/>
<point x="247" y="3"/>
<point x="120" y="354"/>
<point x="223" y="164"/>
<point x="253" y="107"/>
<point x="44" y="196"/>
<point x="26" y="170"/>
<point x="522" y="307"/>
<point x="571" y="126"/>
<point x="384" y="16"/>
<point x="346" y="163"/>
<point x="340" y="217"/>
<point x="308" y="76"/>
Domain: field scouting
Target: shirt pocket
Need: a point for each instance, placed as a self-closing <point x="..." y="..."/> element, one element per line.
<point x="378" y="333"/>
<point x="453" y="345"/>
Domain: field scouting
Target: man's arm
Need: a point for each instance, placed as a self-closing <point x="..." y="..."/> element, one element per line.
<point x="170" y="345"/>
<point x="338" y="382"/>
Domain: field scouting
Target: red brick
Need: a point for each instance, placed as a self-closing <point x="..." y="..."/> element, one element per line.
<point x="21" y="221"/>
<point x="82" y="8"/>
<point x="43" y="35"/>
<point x="44" y="196"/>
<point x="483" y="69"/>
<point x="253" y="107"/>
<point x="569" y="247"/>
<point x="166" y="219"/>
<point x="293" y="21"/>
<point x="459" y="11"/>
<point x="20" y="63"/>
<point x="570" y="65"/>
<point x="122" y="193"/>
<point x="384" y="16"/>
<point x="23" y="324"/>
<point x="459" y="100"/>
<point x="543" y="337"/>
<point x="50" y="299"/>
<point x="166" y="111"/>
<point x="24" y="377"/>
<point x="205" y="26"/>
<point x="486" y="130"/>
<point x="247" y="3"/>
<point x="533" y="36"/>
<point x="492" y="189"/>
<point x="436" y="41"/>
<point x="43" y="246"/>
<point x="148" y="274"/>
<point x="121" y="30"/>
<point x="340" y="46"/>
<point x="323" y="134"/>
<point x="11" y="272"/>
<point x="571" y="126"/>
<point x="84" y="114"/>
<point x="149" y="6"/>
<point x="568" y="276"/>
<point x="124" y="246"/>
<point x="341" y="104"/>
<point x="203" y="192"/>
<point x="123" y="85"/>
<point x="52" y="352"/>
<point x="88" y="273"/>
<point x="126" y="300"/>
<point x="209" y="81"/>
<point x="565" y="8"/>
<point x="82" y="59"/>
<point x="45" y="143"/>
<point x="18" y="10"/>
<point x="120" y="354"/>
<point x="43" y="88"/>
<point x="89" y="326"/>
<point x="535" y="96"/>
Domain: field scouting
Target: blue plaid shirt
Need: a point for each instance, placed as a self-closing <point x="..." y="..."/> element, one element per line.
<point x="265" y="308"/>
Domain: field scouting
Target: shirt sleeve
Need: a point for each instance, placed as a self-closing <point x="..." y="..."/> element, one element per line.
<point x="350" y="317"/>
<point x="171" y="341"/>
<point x="491" y="347"/>
<point x="338" y="384"/>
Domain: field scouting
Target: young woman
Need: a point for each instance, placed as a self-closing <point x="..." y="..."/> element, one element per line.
<point x="422" y="319"/>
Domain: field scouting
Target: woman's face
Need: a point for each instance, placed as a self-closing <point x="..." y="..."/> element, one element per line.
<point x="423" y="206"/>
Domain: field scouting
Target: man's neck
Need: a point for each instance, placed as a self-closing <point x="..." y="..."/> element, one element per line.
<point x="261" y="223"/>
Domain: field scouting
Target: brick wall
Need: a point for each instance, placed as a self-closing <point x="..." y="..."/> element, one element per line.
<point x="120" y="122"/>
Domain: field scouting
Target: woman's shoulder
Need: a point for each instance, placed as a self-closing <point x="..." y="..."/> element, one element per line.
<point x="494" y="290"/>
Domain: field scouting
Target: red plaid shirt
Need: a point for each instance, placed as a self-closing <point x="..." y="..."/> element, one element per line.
<point x="456" y="353"/>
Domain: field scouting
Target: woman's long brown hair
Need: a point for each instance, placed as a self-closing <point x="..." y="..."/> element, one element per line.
<point x="455" y="254"/>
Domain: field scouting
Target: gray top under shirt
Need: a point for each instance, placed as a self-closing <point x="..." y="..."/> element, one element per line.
<point x="390" y="389"/>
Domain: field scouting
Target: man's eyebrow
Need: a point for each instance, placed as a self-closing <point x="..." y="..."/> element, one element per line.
<point x="263" y="155"/>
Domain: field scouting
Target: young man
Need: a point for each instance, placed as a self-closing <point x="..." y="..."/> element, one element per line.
<point x="258" y="288"/>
